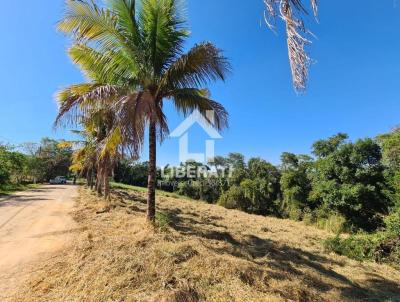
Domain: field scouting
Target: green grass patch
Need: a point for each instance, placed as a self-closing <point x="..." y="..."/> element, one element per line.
<point x="163" y="221"/>
<point x="161" y="193"/>
<point x="8" y="189"/>
<point x="379" y="247"/>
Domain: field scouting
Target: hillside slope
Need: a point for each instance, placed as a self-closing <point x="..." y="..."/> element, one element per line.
<point x="205" y="253"/>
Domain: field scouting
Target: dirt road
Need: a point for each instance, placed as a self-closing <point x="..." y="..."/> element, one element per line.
<point x="33" y="226"/>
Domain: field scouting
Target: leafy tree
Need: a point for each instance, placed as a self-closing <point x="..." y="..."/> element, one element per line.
<point x="5" y="172"/>
<point x="390" y="144"/>
<point x="255" y="187"/>
<point x="54" y="159"/>
<point x="236" y="160"/>
<point x="40" y="163"/>
<point x="14" y="165"/>
<point x="137" y="51"/>
<point x="323" y="148"/>
<point x="234" y="198"/>
<point x="348" y="178"/>
<point x="131" y="173"/>
<point x="295" y="182"/>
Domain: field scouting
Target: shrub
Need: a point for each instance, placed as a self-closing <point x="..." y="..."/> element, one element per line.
<point x="379" y="247"/>
<point x="330" y="221"/>
<point x="190" y="189"/>
<point x="392" y="223"/>
<point x="233" y="198"/>
<point x="308" y="216"/>
<point x="335" y="223"/>
<point x="359" y="247"/>
<point x="294" y="213"/>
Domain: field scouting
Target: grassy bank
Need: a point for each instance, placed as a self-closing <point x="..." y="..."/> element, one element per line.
<point x="9" y="189"/>
<point x="142" y="190"/>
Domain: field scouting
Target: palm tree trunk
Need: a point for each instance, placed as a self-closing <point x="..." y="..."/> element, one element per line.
<point x="151" y="185"/>
<point x="106" y="184"/>
<point x="92" y="180"/>
<point x="89" y="178"/>
<point x="99" y="183"/>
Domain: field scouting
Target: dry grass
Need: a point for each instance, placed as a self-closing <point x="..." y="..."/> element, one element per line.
<point x="205" y="253"/>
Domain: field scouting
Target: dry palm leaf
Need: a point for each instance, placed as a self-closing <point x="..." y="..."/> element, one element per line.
<point x="291" y="11"/>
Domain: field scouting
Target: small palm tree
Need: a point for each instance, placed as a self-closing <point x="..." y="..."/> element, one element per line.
<point x="94" y="154"/>
<point x="134" y="62"/>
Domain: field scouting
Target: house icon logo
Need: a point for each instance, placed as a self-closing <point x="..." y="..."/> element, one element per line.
<point x="181" y="132"/>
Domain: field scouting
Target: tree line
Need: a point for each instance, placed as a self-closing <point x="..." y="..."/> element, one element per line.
<point x="356" y="182"/>
<point x="34" y="162"/>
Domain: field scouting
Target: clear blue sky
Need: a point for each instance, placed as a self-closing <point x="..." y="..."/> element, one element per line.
<point x="354" y="86"/>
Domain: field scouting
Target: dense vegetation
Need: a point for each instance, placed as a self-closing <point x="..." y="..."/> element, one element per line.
<point x="344" y="187"/>
<point x="32" y="163"/>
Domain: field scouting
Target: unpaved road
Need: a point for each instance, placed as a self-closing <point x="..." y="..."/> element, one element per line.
<point x="33" y="226"/>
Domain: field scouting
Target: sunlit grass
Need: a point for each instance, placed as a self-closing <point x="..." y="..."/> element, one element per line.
<point x="161" y="193"/>
<point x="8" y="189"/>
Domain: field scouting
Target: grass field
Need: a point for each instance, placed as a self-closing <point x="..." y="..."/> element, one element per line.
<point x="200" y="252"/>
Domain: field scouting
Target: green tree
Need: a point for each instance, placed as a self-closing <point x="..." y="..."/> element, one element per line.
<point x="53" y="159"/>
<point x="131" y="173"/>
<point x="390" y="143"/>
<point x="348" y="178"/>
<point x="295" y="182"/>
<point x="14" y="166"/>
<point x="138" y="55"/>
<point x="255" y="187"/>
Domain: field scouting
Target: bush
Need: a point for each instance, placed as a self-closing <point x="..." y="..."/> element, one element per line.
<point x="308" y="216"/>
<point x="358" y="247"/>
<point x="335" y="223"/>
<point x="233" y="198"/>
<point x="190" y="189"/>
<point x="392" y="223"/>
<point x="379" y="247"/>
<point x="330" y="221"/>
<point x="294" y="213"/>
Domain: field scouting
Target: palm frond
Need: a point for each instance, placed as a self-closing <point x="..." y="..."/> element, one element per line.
<point x="125" y="10"/>
<point x="163" y="30"/>
<point x="203" y="64"/>
<point x="189" y="99"/>
<point x="109" y="67"/>
<point x="290" y="11"/>
<point x="77" y="102"/>
<point x="87" y="22"/>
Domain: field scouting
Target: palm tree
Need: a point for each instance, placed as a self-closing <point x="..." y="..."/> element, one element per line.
<point x="134" y="61"/>
<point x="291" y="11"/>
<point x="84" y="158"/>
<point x="95" y="153"/>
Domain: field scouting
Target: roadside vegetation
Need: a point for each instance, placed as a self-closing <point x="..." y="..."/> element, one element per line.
<point x="199" y="252"/>
<point x="32" y="163"/>
<point x="8" y="189"/>
<point x="235" y="229"/>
